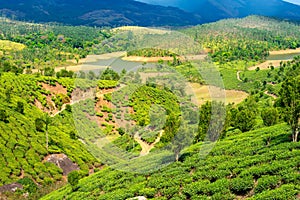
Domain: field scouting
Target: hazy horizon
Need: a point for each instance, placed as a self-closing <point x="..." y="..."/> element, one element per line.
<point x="184" y="5"/>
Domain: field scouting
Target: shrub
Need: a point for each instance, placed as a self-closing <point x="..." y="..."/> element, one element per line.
<point x="99" y="114"/>
<point x="270" y="116"/>
<point x="240" y="185"/>
<point x="285" y="192"/>
<point x="73" y="179"/>
<point x="200" y="187"/>
<point x="28" y="185"/>
<point x="266" y="182"/>
<point x="220" y="186"/>
<point x="221" y="196"/>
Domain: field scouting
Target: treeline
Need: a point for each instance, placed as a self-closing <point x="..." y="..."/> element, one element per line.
<point x="151" y="52"/>
<point x="247" y="39"/>
<point x="47" y="45"/>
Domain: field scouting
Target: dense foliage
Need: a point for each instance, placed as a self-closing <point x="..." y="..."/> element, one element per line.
<point x="247" y="39"/>
<point x="242" y="165"/>
<point x="254" y="157"/>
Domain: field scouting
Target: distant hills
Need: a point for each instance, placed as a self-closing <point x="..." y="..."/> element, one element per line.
<point x="213" y="10"/>
<point x="97" y="12"/>
<point x="130" y="12"/>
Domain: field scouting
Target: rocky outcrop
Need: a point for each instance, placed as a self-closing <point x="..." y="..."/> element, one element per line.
<point x="10" y="187"/>
<point x="63" y="162"/>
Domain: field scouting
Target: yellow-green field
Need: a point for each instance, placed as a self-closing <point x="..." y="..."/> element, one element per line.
<point x="141" y="30"/>
<point x="205" y="93"/>
<point x="6" y="45"/>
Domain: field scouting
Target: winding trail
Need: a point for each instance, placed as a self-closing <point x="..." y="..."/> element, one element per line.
<point x="98" y="94"/>
<point x="146" y="148"/>
<point x="238" y="76"/>
<point x="271" y="95"/>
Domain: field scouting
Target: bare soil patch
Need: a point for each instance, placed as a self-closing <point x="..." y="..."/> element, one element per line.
<point x="146" y="59"/>
<point x="156" y="59"/>
<point x="266" y="65"/>
<point x="57" y="89"/>
<point x="204" y="93"/>
<point x="287" y="51"/>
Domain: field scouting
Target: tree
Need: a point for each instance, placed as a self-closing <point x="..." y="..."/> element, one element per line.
<point x="211" y="121"/>
<point x="20" y="107"/>
<point x="73" y="179"/>
<point x="182" y="139"/>
<point x="49" y="71"/>
<point x="245" y="120"/>
<point x="73" y="135"/>
<point x="68" y="108"/>
<point x="204" y="118"/>
<point x="290" y="102"/>
<point x="3" y="115"/>
<point x="41" y="123"/>
<point x="8" y="93"/>
<point x="270" y="116"/>
<point x="47" y="120"/>
<point x="109" y="74"/>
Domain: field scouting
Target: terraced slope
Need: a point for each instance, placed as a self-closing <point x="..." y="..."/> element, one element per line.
<point x="262" y="164"/>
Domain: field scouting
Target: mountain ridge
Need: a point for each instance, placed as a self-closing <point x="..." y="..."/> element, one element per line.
<point x="97" y="13"/>
<point x="130" y="12"/>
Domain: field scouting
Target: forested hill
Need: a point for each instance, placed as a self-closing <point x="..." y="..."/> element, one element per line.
<point x="213" y="10"/>
<point x="99" y="13"/>
<point x="249" y="38"/>
<point x="130" y="12"/>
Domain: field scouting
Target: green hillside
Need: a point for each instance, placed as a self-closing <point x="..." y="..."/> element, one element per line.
<point x="23" y="141"/>
<point x="102" y="119"/>
<point x="261" y="164"/>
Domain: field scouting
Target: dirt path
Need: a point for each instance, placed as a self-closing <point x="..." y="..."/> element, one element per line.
<point x="98" y="94"/>
<point x="238" y="76"/>
<point x="271" y="95"/>
<point x="146" y="148"/>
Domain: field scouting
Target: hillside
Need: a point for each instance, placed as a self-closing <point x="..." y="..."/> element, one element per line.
<point x="260" y="164"/>
<point x="97" y="13"/>
<point x="249" y="39"/>
<point x="128" y="132"/>
<point x="25" y="129"/>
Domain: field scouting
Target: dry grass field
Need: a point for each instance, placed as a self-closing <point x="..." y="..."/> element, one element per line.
<point x="205" y="93"/>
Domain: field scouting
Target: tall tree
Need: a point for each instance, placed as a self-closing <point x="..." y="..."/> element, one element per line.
<point x="48" y="121"/>
<point x="44" y="122"/>
<point x="290" y="102"/>
<point x="270" y="116"/>
<point x="211" y="121"/>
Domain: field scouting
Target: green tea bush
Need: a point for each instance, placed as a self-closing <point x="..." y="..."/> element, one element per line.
<point x="266" y="183"/>
<point x="241" y="185"/>
<point x="285" y="192"/>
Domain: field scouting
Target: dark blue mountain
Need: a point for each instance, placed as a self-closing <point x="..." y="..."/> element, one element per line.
<point x="212" y="10"/>
<point x="97" y="12"/>
<point x="130" y="12"/>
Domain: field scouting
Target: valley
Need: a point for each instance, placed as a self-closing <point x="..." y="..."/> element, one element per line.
<point x="203" y="112"/>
